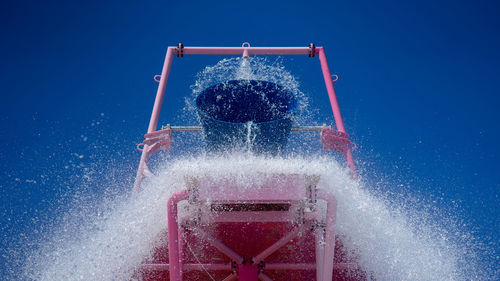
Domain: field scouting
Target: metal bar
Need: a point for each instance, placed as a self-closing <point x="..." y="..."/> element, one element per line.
<point x="267" y="216"/>
<point x="290" y="266"/>
<point x="153" y="122"/>
<point x="231" y="277"/>
<point x="278" y="244"/>
<point x="187" y="267"/>
<point x="173" y="235"/>
<point x="186" y="128"/>
<point x="181" y="239"/>
<point x="330" y="89"/>
<point x="247" y="50"/>
<point x="142" y="167"/>
<point x="335" y="105"/>
<point x="222" y="247"/>
<point x="268" y="266"/>
<point x="329" y="248"/>
<point x="208" y="266"/>
<point x="350" y="162"/>
<point x="155" y="266"/>
<point x="160" y="93"/>
<point x="264" y="277"/>
<point x="308" y="128"/>
<point x="294" y="128"/>
<point x="320" y="252"/>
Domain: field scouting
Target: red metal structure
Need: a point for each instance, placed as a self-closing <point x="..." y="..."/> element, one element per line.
<point x="272" y="231"/>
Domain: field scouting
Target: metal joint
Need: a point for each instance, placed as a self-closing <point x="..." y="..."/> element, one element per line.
<point x="261" y="265"/>
<point x="180" y="50"/>
<point x="301" y="216"/>
<point x="312" y="50"/>
<point x="318" y="226"/>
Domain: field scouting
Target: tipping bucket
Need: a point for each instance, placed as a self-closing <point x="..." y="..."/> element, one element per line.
<point x="246" y="115"/>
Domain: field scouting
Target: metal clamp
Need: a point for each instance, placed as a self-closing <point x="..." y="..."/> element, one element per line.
<point x="312" y="50"/>
<point x="158" y="140"/>
<point x="335" y="140"/>
<point x="180" y="50"/>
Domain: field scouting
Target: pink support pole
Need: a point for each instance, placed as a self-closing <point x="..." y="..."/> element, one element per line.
<point x="264" y="277"/>
<point x="173" y="235"/>
<point x="334" y="104"/>
<point x="142" y="166"/>
<point x="290" y="266"/>
<point x="330" y="89"/>
<point x="153" y="122"/>
<point x="207" y="266"/>
<point x="222" y="248"/>
<point x="320" y="252"/>
<point x="231" y="277"/>
<point x="329" y="251"/>
<point x="278" y="244"/>
<point x="180" y="238"/>
<point x="160" y="93"/>
<point x="350" y="163"/>
<point x="249" y="50"/>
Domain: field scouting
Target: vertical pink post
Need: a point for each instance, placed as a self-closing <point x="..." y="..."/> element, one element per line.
<point x="320" y="252"/>
<point x="329" y="248"/>
<point x="330" y="89"/>
<point x="174" y="255"/>
<point x="153" y="122"/>
<point x="334" y="103"/>
<point x="160" y="93"/>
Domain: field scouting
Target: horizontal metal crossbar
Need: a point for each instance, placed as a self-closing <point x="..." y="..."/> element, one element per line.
<point x="187" y="267"/>
<point x="239" y="50"/>
<point x="199" y="128"/>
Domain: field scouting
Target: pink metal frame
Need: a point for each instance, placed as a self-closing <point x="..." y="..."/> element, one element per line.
<point x="294" y="193"/>
<point x="155" y="140"/>
<point x="325" y="238"/>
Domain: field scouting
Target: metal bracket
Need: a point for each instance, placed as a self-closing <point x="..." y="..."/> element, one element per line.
<point x="180" y="50"/>
<point x="335" y="140"/>
<point x="312" y="50"/>
<point x="157" y="140"/>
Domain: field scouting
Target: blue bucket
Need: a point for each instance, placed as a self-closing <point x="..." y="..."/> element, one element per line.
<point x="246" y="115"/>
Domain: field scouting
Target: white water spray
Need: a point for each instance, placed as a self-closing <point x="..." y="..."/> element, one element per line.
<point x="387" y="245"/>
<point x="390" y="245"/>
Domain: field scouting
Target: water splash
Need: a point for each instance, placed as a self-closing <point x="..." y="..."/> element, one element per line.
<point x="244" y="71"/>
<point x="251" y="135"/>
<point x="251" y="68"/>
<point x="390" y="245"/>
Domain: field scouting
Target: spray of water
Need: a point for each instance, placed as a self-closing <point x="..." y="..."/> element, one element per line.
<point x="251" y="68"/>
<point x="389" y="243"/>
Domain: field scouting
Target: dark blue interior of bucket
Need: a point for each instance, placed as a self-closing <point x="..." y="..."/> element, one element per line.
<point x="252" y="114"/>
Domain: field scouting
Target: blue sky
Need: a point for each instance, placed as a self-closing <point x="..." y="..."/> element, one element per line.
<point x="418" y="91"/>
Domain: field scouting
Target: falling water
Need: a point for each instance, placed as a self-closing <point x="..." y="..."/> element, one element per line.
<point x="244" y="72"/>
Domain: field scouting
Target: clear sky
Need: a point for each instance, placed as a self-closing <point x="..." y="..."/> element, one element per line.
<point x="418" y="91"/>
